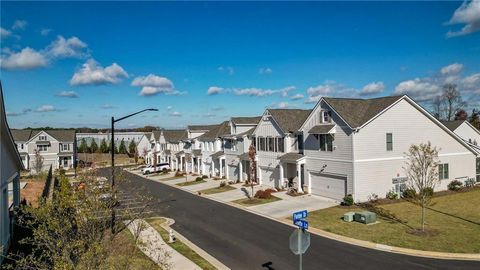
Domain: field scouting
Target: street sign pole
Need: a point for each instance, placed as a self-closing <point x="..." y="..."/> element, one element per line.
<point x="300" y="244"/>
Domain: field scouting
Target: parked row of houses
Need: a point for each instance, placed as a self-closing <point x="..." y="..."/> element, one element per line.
<point x="341" y="146"/>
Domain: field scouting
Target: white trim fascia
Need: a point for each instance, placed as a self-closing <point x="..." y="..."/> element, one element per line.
<point x="402" y="157"/>
<point x="330" y="159"/>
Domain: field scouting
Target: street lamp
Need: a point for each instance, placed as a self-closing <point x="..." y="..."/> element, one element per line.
<point x="112" y="149"/>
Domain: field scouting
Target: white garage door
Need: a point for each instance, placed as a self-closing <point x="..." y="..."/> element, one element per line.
<point x="330" y="186"/>
<point x="267" y="176"/>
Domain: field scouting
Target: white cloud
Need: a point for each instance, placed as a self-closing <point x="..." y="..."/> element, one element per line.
<point x="229" y="70"/>
<point x="92" y="73"/>
<point x="45" y="31"/>
<point x="329" y="88"/>
<point x="4" y="32"/>
<point x="214" y="90"/>
<point x="419" y="89"/>
<point x="19" y="25"/>
<point x="169" y="108"/>
<point x="27" y="58"/>
<point x="265" y="70"/>
<point x="469" y="15"/>
<point x="259" y="92"/>
<point x="313" y="99"/>
<point x="153" y="84"/>
<point x="452" y="69"/>
<point x="297" y="97"/>
<point x="64" y="48"/>
<point x="472" y="83"/>
<point x="175" y="114"/>
<point x="372" y="88"/>
<point x="68" y="94"/>
<point x="45" y="108"/>
<point x="283" y="105"/>
<point x="210" y="115"/>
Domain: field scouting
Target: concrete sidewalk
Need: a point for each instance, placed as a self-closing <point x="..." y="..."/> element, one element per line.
<point x="157" y="250"/>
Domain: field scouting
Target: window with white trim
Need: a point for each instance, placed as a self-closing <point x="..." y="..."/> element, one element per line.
<point x="389" y="141"/>
<point x="326" y="142"/>
<point x="443" y="171"/>
<point x="42" y="138"/>
<point x="325" y="116"/>
<point x="281" y="144"/>
<point x="42" y="148"/>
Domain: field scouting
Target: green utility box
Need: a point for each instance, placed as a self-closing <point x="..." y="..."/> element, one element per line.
<point x="348" y="217"/>
<point x="365" y="217"/>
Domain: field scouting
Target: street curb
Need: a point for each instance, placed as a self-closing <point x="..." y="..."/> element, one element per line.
<point x="353" y="241"/>
<point x="212" y="260"/>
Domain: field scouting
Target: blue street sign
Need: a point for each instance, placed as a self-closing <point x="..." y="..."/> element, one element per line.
<point x="300" y="215"/>
<point x="302" y="224"/>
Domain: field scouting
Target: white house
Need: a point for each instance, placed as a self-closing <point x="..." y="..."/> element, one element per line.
<point x="357" y="146"/>
<point x="236" y="146"/>
<point x="139" y="138"/>
<point x="212" y="154"/>
<point x="280" y="147"/>
<point x="56" y="147"/>
<point x="11" y="164"/>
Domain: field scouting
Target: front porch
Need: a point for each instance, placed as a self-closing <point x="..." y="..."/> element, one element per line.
<point x="292" y="172"/>
<point x="219" y="168"/>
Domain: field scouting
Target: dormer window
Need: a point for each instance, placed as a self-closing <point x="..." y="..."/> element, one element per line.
<point x="325" y="116"/>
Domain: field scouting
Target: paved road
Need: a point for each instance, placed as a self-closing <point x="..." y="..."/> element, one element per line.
<point x="242" y="240"/>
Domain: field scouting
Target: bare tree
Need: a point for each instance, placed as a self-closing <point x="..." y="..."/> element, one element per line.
<point x="38" y="161"/>
<point x="252" y="152"/>
<point x="422" y="172"/>
<point x="453" y="100"/>
<point x="438" y="107"/>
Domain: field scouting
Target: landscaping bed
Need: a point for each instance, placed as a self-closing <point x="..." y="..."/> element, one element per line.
<point x="189" y="183"/>
<point x="179" y="246"/>
<point x="256" y="201"/>
<point x="452" y="222"/>
<point x="216" y="190"/>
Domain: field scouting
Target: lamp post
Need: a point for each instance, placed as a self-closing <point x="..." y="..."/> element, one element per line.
<point x="112" y="149"/>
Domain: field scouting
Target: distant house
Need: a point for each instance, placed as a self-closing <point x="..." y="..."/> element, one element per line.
<point x="10" y="164"/>
<point x="56" y="147"/>
<point x="465" y="130"/>
<point x="139" y="138"/>
<point x="211" y="146"/>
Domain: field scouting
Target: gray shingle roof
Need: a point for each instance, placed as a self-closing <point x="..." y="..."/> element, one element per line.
<point x="201" y="127"/>
<point x="217" y="154"/>
<point x="357" y="112"/>
<point x="175" y="135"/>
<point x="63" y="135"/>
<point x="246" y="120"/>
<point x="289" y="120"/>
<point x="452" y="125"/>
<point x="321" y="129"/>
<point x="156" y="134"/>
<point x="290" y="157"/>
<point x="197" y="152"/>
<point x="216" y="132"/>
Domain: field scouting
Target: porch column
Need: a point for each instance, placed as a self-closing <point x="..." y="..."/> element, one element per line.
<point x="299" y="178"/>
<point x="226" y="169"/>
<point x="181" y="163"/>
<point x="281" y="174"/>
<point x="203" y="166"/>
<point x="198" y="164"/>
<point x="309" y="189"/>
<point x="192" y="168"/>
<point x="259" y="175"/>
<point x="220" y="165"/>
<point x="240" y="168"/>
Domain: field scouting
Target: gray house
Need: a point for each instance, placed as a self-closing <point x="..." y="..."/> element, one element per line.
<point x="11" y="164"/>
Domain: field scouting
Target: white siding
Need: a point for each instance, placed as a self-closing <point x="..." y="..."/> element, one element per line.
<point x="468" y="133"/>
<point x="375" y="167"/>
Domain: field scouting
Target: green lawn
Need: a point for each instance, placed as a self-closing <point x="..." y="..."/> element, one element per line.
<point x="217" y="189"/>
<point x="456" y="229"/>
<point x="179" y="246"/>
<point x="256" y="201"/>
<point x="189" y="183"/>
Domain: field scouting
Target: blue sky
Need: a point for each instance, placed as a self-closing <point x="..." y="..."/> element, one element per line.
<point x="76" y="64"/>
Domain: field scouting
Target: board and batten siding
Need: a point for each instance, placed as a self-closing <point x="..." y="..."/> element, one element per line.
<point x="374" y="166"/>
<point x="340" y="160"/>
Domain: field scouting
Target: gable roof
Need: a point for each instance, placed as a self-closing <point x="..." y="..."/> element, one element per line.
<point x="156" y="134"/>
<point x="452" y="125"/>
<point x="356" y="112"/>
<point x="6" y="129"/>
<point x="62" y="135"/>
<point x="174" y="135"/>
<point x="289" y="120"/>
<point x="246" y="120"/>
<point x="201" y="127"/>
<point x="216" y="132"/>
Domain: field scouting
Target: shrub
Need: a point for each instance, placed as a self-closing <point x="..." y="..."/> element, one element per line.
<point x="409" y="193"/>
<point x="427" y="191"/>
<point x="222" y="184"/>
<point x="61" y="172"/>
<point x="204" y="176"/>
<point x="348" y="200"/>
<point x="373" y="198"/>
<point x="164" y="170"/>
<point x="455" y="185"/>
<point x="178" y="173"/>
<point x="470" y="183"/>
<point x="392" y="195"/>
<point x="199" y="179"/>
<point x="263" y="194"/>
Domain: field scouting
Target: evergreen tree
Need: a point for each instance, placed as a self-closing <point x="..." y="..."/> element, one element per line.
<point x="93" y="147"/>
<point x="104" y="146"/>
<point x="122" y="149"/>
<point x="83" y="148"/>
<point x="110" y="147"/>
<point x="132" y="147"/>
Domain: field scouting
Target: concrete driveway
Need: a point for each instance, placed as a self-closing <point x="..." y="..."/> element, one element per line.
<point x="289" y="204"/>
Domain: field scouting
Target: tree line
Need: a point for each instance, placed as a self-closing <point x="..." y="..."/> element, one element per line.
<point x="83" y="147"/>
<point x="449" y="106"/>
